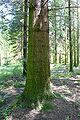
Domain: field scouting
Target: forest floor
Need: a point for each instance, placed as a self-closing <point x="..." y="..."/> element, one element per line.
<point x="65" y="105"/>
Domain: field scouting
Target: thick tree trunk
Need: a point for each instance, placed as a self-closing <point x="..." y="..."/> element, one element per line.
<point x="38" y="52"/>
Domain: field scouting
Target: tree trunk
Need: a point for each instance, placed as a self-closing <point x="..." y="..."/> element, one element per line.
<point x="0" y="59"/>
<point x="25" y="39"/>
<point x="74" y="41"/>
<point x="55" y="34"/>
<point x="77" y="35"/>
<point x="38" y="70"/>
<point x="70" y="40"/>
<point x="60" y="57"/>
<point x="74" y="49"/>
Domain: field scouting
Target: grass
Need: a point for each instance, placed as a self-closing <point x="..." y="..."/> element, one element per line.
<point x="11" y="75"/>
<point x="6" y="112"/>
<point x="1" y="100"/>
<point x="20" y="84"/>
<point x="48" y="103"/>
<point x="7" y="73"/>
<point x="47" y="106"/>
<point x="14" y="71"/>
<point x="62" y="71"/>
<point x="68" y="118"/>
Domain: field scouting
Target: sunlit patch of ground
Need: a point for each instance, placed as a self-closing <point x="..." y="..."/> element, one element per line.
<point x="64" y="83"/>
<point x="71" y="92"/>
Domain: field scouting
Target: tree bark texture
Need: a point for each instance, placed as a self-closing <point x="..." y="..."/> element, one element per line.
<point x="38" y="70"/>
<point x="70" y="39"/>
<point x="25" y="39"/>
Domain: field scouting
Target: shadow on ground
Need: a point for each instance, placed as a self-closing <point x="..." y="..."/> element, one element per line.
<point x="64" y="110"/>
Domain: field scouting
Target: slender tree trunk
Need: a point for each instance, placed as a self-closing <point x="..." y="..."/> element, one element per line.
<point x="65" y="39"/>
<point x="77" y="35"/>
<point x="60" y="60"/>
<point x="65" y="46"/>
<point x="21" y="56"/>
<point x="38" y="52"/>
<point x="74" y="49"/>
<point x="0" y="59"/>
<point x="70" y="40"/>
<point x="25" y="39"/>
<point x="60" y="57"/>
<point x="74" y="41"/>
<point x="55" y="34"/>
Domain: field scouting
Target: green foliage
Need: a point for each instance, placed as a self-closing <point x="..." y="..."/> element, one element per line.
<point x="68" y="118"/>
<point x="1" y="100"/>
<point x="47" y="106"/>
<point x="17" y="70"/>
<point x="6" y="112"/>
<point x="19" y="84"/>
<point x="10" y="29"/>
<point x="78" y="114"/>
<point x="62" y="71"/>
<point x="9" y="76"/>
<point x="53" y="96"/>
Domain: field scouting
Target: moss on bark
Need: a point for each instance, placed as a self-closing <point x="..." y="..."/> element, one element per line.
<point x="38" y="70"/>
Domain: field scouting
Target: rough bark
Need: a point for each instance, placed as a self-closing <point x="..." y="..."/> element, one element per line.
<point x="25" y="39"/>
<point x="38" y="52"/>
<point x="60" y="57"/>
<point x="70" y="39"/>
<point x="77" y="35"/>
<point x="55" y="34"/>
<point x="74" y="41"/>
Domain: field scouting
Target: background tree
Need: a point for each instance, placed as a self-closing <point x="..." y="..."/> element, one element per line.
<point x="25" y="38"/>
<point x="70" y="39"/>
<point x="77" y="35"/>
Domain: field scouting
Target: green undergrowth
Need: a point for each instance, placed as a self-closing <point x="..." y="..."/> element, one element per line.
<point x="6" y="112"/>
<point x="1" y="100"/>
<point x="11" y="70"/>
<point x="20" y="84"/>
<point x="68" y="118"/>
<point x="45" y="105"/>
<point x="48" y="103"/>
<point x="62" y="71"/>
<point x="9" y="75"/>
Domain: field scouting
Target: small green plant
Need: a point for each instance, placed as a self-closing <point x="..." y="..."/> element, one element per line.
<point x="78" y="114"/>
<point x="6" y="112"/>
<point x="1" y="100"/>
<point x="68" y="118"/>
<point x="58" y="96"/>
<point x="17" y="70"/>
<point x="47" y="106"/>
<point x="19" y="84"/>
<point x="53" y="96"/>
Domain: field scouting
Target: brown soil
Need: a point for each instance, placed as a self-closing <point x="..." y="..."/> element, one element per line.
<point x="64" y="109"/>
